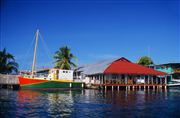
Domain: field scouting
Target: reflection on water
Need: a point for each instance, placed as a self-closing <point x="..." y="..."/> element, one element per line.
<point x="89" y="103"/>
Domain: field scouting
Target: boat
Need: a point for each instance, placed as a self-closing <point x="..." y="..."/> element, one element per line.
<point x="53" y="78"/>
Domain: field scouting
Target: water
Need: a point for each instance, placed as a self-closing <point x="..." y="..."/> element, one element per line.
<point x="90" y="103"/>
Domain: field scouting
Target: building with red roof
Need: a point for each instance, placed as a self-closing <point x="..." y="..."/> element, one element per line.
<point x="120" y="72"/>
<point x="124" y="66"/>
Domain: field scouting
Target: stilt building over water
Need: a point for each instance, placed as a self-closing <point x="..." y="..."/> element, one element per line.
<point x="172" y="69"/>
<point x="120" y="73"/>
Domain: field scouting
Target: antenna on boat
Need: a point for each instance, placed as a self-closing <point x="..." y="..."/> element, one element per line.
<point x="35" y="49"/>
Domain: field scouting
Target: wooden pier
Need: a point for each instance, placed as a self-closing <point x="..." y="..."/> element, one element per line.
<point x="131" y="86"/>
<point x="9" y="81"/>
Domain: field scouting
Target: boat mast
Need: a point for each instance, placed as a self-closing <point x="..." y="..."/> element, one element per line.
<point x="35" y="49"/>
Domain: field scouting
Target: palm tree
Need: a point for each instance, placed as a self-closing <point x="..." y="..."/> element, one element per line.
<point x="63" y="58"/>
<point x="145" y="61"/>
<point x="7" y="63"/>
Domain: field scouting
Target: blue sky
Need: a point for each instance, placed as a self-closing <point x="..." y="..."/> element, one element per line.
<point x="94" y="30"/>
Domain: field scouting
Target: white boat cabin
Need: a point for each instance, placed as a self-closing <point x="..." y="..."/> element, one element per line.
<point x="55" y="74"/>
<point x="58" y="74"/>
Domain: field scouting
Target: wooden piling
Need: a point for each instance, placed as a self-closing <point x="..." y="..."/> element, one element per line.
<point x="132" y="87"/>
<point x="105" y="88"/>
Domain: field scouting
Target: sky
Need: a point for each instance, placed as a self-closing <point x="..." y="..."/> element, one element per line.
<point x="95" y="30"/>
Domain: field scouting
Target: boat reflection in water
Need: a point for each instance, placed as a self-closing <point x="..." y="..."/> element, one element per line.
<point x="61" y="103"/>
<point x="46" y="102"/>
<point x="90" y="103"/>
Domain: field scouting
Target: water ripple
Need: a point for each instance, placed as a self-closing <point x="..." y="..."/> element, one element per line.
<point x="89" y="103"/>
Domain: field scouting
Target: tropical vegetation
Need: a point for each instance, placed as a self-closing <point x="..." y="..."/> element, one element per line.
<point x="7" y="63"/>
<point x="145" y="61"/>
<point x="63" y="58"/>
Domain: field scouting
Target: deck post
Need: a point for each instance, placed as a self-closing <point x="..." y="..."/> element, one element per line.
<point x="160" y="80"/>
<point x="129" y="88"/>
<point x="125" y="79"/>
<point x="156" y="80"/>
<point x="70" y="85"/>
<point x="165" y="79"/>
<point x="148" y="81"/>
<point x="144" y="77"/>
<point x="152" y="80"/>
<point x="157" y="87"/>
<point x="118" y="88"/>
<point x="101" y="79"/>
<point x="165" y="82"/>
<point x="92" y="79"/>
<point x="161" y="83"/>
<point x="82" y="85"/>
<point x="105" y="87"/>
<point x="112" y="87"/>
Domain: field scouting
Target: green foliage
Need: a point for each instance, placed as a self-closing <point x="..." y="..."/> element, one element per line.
<point x="63" y="58"/>
<point x="145" y="61"/>
<point x="7" y="63"/>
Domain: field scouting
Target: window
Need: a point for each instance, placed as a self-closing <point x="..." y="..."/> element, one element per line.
<point x="114" y="76"/>
<point x="123" y="76"/>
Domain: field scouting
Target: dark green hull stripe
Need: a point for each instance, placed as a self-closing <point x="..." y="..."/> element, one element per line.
<point x="53" y="84"/>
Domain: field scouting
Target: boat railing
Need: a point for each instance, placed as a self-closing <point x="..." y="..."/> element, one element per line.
<point x="35" y="75"/>
<point x="41" y="75"/>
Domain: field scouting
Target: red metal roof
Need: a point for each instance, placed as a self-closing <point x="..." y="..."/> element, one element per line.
<point x="124" y="66"/>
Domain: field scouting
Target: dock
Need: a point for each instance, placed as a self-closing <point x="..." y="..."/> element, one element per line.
<point x="130" y="86"/>
<point x="9" y="81"/>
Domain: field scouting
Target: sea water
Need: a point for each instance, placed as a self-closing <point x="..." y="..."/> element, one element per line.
<point x="90" y="103"/>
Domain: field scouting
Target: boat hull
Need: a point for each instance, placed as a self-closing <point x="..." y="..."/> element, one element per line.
<point x="33" y="83"/>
